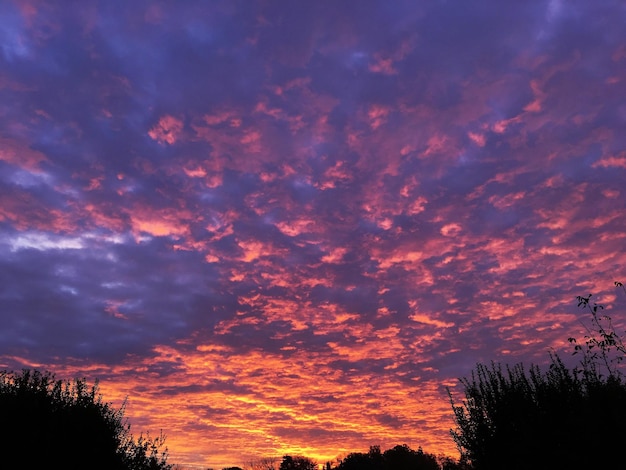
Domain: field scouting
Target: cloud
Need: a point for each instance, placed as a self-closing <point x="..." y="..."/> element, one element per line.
<point x="167" y="130"/>
<point x="286" y="229"/>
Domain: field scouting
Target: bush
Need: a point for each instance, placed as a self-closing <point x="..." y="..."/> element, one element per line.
<point x="50" y="423"/>
<point x="519" y="418"/>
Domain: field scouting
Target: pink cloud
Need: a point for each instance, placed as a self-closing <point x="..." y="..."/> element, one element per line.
<point x="611" y="161"/>
<point x="384" y="66"/>
<point x="20" y="155"/>
<point x="168" y="130"/>
<point x="478" y="138"/>
<point x="377" y="115"/>
<point x="159" y="222"/>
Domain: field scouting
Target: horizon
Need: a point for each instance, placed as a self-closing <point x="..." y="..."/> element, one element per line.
<point x="286" y="227"/>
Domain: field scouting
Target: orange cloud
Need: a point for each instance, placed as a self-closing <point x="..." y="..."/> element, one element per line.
<point x="159" y="223"/>
<point x="296" y="227"/>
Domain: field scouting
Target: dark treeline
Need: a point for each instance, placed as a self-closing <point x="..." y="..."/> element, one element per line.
<point x="510" y="417"/>
<point x="400" y="457"/>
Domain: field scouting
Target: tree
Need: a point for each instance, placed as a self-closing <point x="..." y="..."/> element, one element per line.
<point x="604" y="348"/>
<point x="404" y="458"/>
<point x="448" y="463"/>
<point x="65" y="424"/>
<point x="297" y="462"/>
<point x="265" y="463"/>
<point x="360" y="461"/>
<point x="518" y="418"/>
<point x="400" y="457"/>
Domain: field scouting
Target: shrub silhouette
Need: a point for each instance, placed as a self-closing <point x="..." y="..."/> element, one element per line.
<point x="518" y="418"/>
<point x="51" y="423"/>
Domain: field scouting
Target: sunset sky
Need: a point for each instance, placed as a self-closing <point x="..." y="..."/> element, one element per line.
<point x="287" y="226"/>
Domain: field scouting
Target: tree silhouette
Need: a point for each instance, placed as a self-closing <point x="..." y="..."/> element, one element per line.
<point x="400" y="457"/>
<point x="52" y="423"/>
<point x="360" y="461"/>
<point x="265" y="463"/>
<point x="604" y="348"/>
<point x="404" y="458"/>
<point x="518" y="418"/>
<point x="297" y="462"/>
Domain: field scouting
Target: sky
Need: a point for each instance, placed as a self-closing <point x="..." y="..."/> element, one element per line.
<point x="287" y="226"/>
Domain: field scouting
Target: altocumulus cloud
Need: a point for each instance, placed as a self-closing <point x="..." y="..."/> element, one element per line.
<point x="286" y="227"/>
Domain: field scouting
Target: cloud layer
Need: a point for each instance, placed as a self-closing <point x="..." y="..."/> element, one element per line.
<point x="288" y="226"/>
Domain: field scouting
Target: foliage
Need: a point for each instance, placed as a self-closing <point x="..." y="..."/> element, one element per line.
<point x="55" y="423"/>
<point x="265" y="463"/>
<point x="297" y="462"/>
<point x="145" y="453"/>
<point x="404" y="458"/>
<point x="448" y="463"/>
<point x="604" y="348"/>
<point x="518" y="418"/>
<point x="400" y="457"/>
<point x="362" y="461"/>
